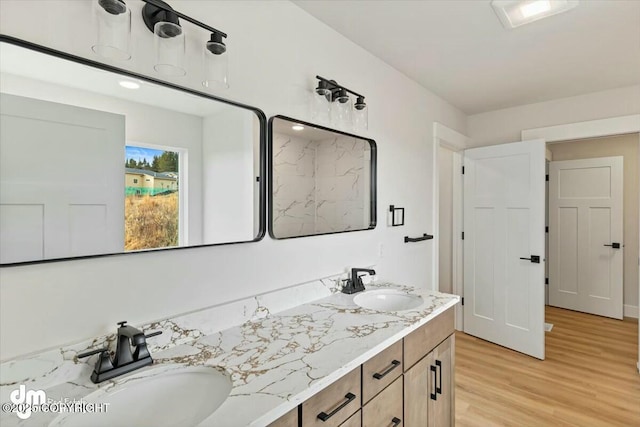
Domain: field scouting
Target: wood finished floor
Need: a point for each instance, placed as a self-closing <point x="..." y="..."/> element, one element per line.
<point x="589" y="377"/>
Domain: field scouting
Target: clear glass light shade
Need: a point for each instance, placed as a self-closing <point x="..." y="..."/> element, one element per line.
<point x="360" y="119"/>
<point x="169" y="43"/>
<point x="341" y="114"/>
<point x="216" y="69"/>
<point x="321" y="107"/>
<point x="112" y="20"/>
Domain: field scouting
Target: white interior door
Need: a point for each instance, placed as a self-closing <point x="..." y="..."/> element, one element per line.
<point x="585" y="226"/>
<point x="61" y="180"/>
<point x="504" y="208"/>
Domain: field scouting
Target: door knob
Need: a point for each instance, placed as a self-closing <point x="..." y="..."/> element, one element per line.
<point x="534" y="259"/>
<point x="614" y="245"/>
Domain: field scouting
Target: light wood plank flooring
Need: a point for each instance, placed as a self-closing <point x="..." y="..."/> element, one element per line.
<point x="589" y="377"/>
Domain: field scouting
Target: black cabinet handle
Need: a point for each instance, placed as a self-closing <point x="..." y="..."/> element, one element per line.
<point x="434" y="396"/>
<point x="323" y="416"/>
<point x="380" y="375"/>
<point x="425" y="236"/>
<point x="396" y="421"/>
<point x="439" y="387"/>
<point x="534" y="259"/>
<point x="614" y="245"/>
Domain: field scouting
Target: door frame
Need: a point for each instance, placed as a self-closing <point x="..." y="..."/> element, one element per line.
<point x="590" y="129"/>
<point x="444" y="136"/>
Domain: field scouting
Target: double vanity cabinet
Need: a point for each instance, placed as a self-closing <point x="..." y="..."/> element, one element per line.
<point x="410" y="383"/>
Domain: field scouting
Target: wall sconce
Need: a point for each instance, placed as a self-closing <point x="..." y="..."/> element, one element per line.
<point x="114" y="34"/>
<point x="331" y="104"/>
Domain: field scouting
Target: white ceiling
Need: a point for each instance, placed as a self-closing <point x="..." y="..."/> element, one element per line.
<point x="459" y="50"/>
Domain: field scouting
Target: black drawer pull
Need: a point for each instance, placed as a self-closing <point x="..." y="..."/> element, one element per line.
<point x="323" y="416"/>
<point x="380" y="375"/>
<point x="439" y="387"/>
<point x="395" y="421"/>
<point x="434" y="396"/>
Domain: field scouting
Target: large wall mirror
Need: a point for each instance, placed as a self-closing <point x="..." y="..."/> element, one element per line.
<point x="95" y="160"/>
<point x="321" y="180"/>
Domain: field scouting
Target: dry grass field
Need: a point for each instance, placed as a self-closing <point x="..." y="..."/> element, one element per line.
<point x="151" y="222"/>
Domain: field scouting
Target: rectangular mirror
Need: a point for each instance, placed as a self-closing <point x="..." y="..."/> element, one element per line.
<point x="322" y="181"/>
<point x="95" y="160"/>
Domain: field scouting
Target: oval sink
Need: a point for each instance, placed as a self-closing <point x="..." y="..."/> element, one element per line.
<point x="159" y="397"/>
<point x="388" y="300"/>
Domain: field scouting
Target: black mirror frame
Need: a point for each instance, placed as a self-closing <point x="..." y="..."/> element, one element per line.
<point x="374" y="174"/>
<point x="262" y="118"/>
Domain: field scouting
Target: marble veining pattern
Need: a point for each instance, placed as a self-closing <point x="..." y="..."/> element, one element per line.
<point x="320" y="186"/>
<point x="276" y="361"/>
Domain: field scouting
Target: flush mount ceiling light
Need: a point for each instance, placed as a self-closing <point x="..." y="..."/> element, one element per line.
<point x="297" y="127"/>
<point x="127" y="84"/>
<point x="514" y="13"/>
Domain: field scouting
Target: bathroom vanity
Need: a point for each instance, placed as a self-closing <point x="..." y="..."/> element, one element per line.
<point x="410" y="383"/>
<point x="327" y="361"/>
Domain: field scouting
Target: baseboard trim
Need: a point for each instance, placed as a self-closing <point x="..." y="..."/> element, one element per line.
<point x="630" y="311"/>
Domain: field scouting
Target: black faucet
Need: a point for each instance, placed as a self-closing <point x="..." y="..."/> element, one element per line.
<point x="354" y="284"/>
<point x="124" y="360"/>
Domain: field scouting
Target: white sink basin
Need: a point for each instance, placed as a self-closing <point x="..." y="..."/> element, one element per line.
<point x="160" y="397"/>
<point x="388" y="300"/>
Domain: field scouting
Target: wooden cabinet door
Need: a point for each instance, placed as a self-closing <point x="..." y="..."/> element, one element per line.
<point x="441" y="409"/>
<point x="419" y="390"/>
<point x="290" y="419"/>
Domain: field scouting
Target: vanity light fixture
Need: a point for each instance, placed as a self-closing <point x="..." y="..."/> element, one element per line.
<point x="514" y="13"/>
<point x="332" y="99"/>
<point x="113" y="26"/>
<point x="114" y="34"/>
<point x="297" y="128"/>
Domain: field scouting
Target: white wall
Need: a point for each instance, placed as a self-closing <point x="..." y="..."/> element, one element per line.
<point x="227" y="176"/>
<point x="275" y="49"/>
<point x="501" y="126"/>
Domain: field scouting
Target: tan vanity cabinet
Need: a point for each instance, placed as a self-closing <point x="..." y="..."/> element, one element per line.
<point x="290" y="419"/>
<point x="385" y="410"/>
<point x="381" y="370"/>
<point x="334" y="404"/>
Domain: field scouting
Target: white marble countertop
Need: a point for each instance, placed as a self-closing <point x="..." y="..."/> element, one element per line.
<point x="278" y="362"/>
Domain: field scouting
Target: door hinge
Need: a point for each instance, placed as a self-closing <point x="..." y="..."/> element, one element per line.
<point x="462" y="301"/>
<point x="463" y="170"/>
<point x="546" y="280"/>
<point x="546" y="229"/>
<point x="546" y="178"/>
<point x="463" y="235"/>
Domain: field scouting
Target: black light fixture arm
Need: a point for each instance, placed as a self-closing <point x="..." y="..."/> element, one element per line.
<point x="332" y="84"/>
<point x="162" y="5"/>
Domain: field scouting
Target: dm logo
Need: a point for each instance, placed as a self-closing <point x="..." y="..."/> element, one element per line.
<point x="25" y="400"/>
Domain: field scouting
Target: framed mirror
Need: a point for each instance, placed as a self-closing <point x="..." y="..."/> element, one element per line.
<point x="322" y="181"/>
<point x="96" y="161"/>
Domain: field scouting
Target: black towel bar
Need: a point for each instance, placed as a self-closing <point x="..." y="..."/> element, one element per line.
<point x="425" y="236"/>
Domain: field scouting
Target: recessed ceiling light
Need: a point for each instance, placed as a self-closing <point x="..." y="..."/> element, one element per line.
<point x="514" y="13"/>
<point x="129" y="84"/>
<point x="297" y="127"/>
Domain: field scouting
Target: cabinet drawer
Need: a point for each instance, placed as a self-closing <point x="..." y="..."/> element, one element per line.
<point x="334" y="404"/>
<point x="354" y="421"/>
<point x="421" y="341"/>
<point x="290" y="419"/>
<point x="380" y="371"/>
<point x="386" y="408"/>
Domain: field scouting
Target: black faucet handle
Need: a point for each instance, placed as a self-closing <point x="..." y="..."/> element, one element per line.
<point x="92" y="352"/>
<point x="122" y="324"/>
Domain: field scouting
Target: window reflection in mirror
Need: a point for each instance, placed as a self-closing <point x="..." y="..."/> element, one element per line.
<point x="322" y="181"/>
<point x="96" y="162"/>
